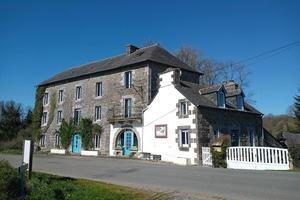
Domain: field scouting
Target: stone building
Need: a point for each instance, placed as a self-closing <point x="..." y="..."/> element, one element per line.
<point x="148" y="101"/>
<point x="113" y="92"/>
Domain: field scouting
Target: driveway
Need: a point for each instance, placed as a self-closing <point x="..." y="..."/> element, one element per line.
<point x="202" y="181"/>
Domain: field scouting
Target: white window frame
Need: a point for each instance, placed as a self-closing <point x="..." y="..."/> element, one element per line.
<point x="97" y="141"/>
<point x="77" y="120"/>
<point x="60" y="96"/>
<point x="183" y="108"/>
<point x="98" y="113"/>
<point x="127" y="108"/>
<point x="46" y="98"/>
<point x="99" y="89"/>
<point x="78" y="93"/>
<point x="42" y="140"/>
<point x="186" y="137"/>
<point x="221" y="96"/>
<point x="128" y="79"/>
<point x="59" y="117"/>
<point x="57" y="140"/>
<point x="240" y="102"/>
<point x="44" y="118"/>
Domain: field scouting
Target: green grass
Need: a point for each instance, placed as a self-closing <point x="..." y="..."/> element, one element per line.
<point x="12" y="151"/>
<point x="45" y="186"/>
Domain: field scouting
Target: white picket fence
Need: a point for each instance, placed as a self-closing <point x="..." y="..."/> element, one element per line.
<point x="206" y="156"/>
<point x="258" y="158"/>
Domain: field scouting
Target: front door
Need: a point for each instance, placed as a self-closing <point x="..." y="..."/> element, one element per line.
<point x="76" y="143"/>
<point x="128" y="142"/>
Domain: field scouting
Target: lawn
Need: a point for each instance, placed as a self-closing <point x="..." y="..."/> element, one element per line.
<point x="12" y="151"/>
<point x="47" y="187"/>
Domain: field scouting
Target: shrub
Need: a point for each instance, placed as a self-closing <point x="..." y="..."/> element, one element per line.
<point x="295" y="154"/>
<point x="219" y="157"/>
<point x="9" y="181"/>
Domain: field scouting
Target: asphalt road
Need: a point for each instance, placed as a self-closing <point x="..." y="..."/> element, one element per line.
<point x="202" y="181"/>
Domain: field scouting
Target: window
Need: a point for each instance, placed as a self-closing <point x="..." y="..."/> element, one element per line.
<point x="59" y="117"/>
<point x="98" y="113"/>
<point x="60" y="96"/>
<point x="184" y="138"/>
<point x="42" y="140"/>
<point x="240" y="102"/>
<point x="97" y="141"/>
<point x="77" y="114"/>
<point x="251" y="139"/>
<point x="128" y="79"/>
<point x="78" y="93"/>
<point x="183" y="108"/>
<point x="46" y="98"/>
<point x="235" y="138"/>
<point x="44" y="118"/>
<point x="216" y="133"/>
<point x="221" y="99"/>
<point x="127" y="107"/>
<point x="57" y="140"/>
<point x="99" y="89"/>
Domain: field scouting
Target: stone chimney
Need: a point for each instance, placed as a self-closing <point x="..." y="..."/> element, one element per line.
<point x="230" y="86"/>
<point x="131" y="48"/>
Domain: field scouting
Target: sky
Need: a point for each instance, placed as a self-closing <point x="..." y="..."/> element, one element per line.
<point x="39" y="39"/>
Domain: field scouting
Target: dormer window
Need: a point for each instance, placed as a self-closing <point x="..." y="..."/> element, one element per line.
<point x="221" y="99"/>
<point x="240" y="102"/>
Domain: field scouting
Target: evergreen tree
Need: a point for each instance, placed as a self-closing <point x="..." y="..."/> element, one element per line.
<point x="297" y="108"/>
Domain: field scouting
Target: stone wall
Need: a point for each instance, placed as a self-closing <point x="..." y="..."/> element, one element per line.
<point x="226" y="120"/>
<point x="113" y="93"/>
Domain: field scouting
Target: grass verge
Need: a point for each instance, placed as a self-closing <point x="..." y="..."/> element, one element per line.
<point x="12" y="151"/>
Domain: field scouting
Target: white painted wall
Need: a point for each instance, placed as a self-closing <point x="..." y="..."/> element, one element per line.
<point x="163" y="110"/>
<point x="115" y="130"/>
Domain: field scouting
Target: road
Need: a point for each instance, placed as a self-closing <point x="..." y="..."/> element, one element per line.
<point x="210" y="182"/>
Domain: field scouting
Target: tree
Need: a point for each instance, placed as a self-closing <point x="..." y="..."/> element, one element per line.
<point x="11" y="120"/>
<point x="66" y="131"/>
<point x="297" y="108"/>
<point x="88" y="130"/>
<point x="214" y="72"/>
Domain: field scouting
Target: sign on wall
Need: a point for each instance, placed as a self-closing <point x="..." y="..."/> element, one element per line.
<point x="161" y="131"/>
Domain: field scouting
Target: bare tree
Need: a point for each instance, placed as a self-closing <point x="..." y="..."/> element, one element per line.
<point x="215" y="72"/>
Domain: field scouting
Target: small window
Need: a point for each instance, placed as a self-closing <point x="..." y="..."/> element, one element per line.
<point x="59" y="116"/>
<point x="251" y="138"/>
<point x="77" y="114"/>
<point x="235" y="138"/>
<point x="46" y="98"/>
<point x="184" y="138"/>
<point x="216" y="133"/>
<point x="240" y="102"/>
<point x="128" y="79"/>
<point x="221" y="99"/>
<point x="42" y="140"/>
<point x="99" y="89"/>
<point x="127" y="107"/>
<point x="57" y="140"/>
<point x="44" y="118"/>
<point x="78" y="93"/>
<point x="183" y="108"/>
<point x="97" y="141"/>
<point x="98" y="113"/>
<point x="60" y="96"/>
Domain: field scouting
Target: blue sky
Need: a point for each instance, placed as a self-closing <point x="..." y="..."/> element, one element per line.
<point x="41" y="38"/>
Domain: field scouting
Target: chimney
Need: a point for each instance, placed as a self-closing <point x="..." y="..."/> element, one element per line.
<point x="230" y="85"/>
<point x="131" y="48"/>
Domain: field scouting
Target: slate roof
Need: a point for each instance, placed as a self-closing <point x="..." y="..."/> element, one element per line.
<point x="191" y="92"/>
<point x="151" y="53"/>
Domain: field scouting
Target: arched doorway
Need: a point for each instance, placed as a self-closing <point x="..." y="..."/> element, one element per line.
<point x="127" y="142"/>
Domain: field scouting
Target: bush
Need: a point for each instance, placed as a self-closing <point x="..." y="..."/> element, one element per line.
<point x="9" y="181"/>
<point x="219" y="157"/>
<point x="295" y="154"/>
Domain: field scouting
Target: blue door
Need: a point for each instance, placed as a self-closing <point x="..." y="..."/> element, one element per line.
<point x="76" y="143"/>
<point x="128" y="142"/>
